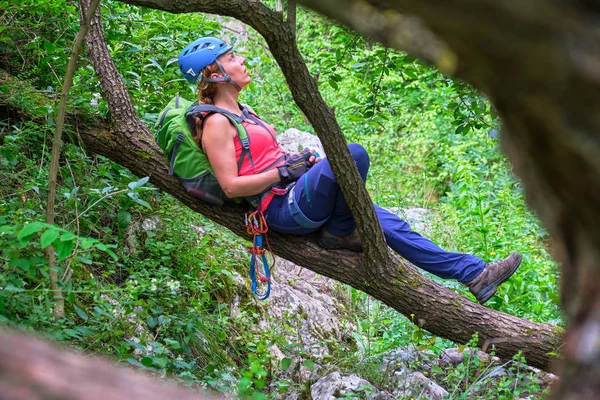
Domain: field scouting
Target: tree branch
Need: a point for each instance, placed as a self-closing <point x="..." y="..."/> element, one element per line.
<point x="58" y="308"/>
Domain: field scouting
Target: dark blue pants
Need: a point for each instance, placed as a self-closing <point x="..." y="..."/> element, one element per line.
<point x="318" y="201"/>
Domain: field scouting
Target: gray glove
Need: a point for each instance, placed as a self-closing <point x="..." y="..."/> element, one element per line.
<point x="295" y="166"/>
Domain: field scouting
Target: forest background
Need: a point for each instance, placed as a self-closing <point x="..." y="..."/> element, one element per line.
<point x="432" y="140"/>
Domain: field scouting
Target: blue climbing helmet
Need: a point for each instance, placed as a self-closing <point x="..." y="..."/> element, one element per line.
<point x="200" y="54"/>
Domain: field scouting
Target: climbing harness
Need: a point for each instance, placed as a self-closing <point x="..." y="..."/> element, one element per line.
<point x="256" y="225"/>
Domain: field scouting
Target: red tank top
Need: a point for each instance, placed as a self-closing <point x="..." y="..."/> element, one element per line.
<point x="264" y="149"/>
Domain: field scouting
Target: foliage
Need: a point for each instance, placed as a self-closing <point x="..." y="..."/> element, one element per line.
<point x="158" y="297"/>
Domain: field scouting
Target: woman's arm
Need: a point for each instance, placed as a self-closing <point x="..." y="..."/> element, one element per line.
<point x="217" y="140"/>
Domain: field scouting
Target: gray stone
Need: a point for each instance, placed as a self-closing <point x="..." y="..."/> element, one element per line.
<point x="300" y="298"/>
<point x="336" y="385"/>
<point x="454" y="356"/>
<point x="417" y="218"/>
<point x="402" y="360"/>
<point x="151" y="224"/>
<point x="293" y="140"/>
<point x="418" y="385"/>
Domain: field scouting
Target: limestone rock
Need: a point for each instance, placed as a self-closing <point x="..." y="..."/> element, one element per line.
<point x="404" y="359"/>
<point x="337" y="385"/>
<point x="299" y="297"/>
<point x="419" y="386"/>
<point x="418" y="218"/>
<point x="293" y="140"/>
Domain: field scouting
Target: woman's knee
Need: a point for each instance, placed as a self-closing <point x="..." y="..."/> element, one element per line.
<point x="361" y="157"/>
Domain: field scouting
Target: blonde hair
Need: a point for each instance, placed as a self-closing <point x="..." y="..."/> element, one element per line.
<point x="206" y="95"/>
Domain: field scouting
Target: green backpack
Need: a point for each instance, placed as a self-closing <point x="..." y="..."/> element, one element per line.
<point x="187" y="161"/>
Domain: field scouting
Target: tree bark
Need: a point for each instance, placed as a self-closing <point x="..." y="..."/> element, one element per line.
<point x="31" y="369"/>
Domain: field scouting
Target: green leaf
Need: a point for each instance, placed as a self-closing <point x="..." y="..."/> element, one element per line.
<point x="142" y="202"/>
<point x="134" y="74"/>
<point x="102" y="312"/>
<point x="66" y="236"/>
<point x="112" y="254"/>
<point x="86" y="243"/>
<point x="85" y="331"/>
<point x="22" y="263"/>
<point x="285" y="364"/>
<point x="308" y="364"/>
<point x="124" y="218"/>
<point x="160" y="362"/>
<point x="64" y="249"/>
<point x="136" y="345"/>
<point x="48" y="237"/>
<point x="81" y="313"/>
<point x="333" y="84"/>
<point x="140" y="183"/>
<point x="12" y="288"/>
<point x="85" y="260"/>
<point x="135" y="362"/>
<point x="31" y="228"/>
<point x="151" y="321"/>
<point x="72" y="333"/>
<point x="174" y="344"/>
<point x="147" y="361"/>
<point x="153" y="62"/>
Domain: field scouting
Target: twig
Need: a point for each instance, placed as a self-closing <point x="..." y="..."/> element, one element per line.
<point x="376" y="93"/>
<point x="107" y="195"/>
<point x="474" y="114"/>
<point x="68" y="271"/>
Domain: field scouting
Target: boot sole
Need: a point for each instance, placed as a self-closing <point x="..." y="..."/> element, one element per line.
<point x="487" y="294"/>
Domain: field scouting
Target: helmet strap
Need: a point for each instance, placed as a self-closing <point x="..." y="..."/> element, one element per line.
<point x="224" y="78"/>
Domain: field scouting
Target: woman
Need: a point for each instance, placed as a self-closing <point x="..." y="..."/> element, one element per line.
<point x="298" y="193"/>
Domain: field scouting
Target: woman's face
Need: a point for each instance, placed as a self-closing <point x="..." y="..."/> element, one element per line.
<point x="233" y="64"/>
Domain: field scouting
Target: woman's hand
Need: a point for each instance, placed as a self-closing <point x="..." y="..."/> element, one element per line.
<point x="296" y="165"/>
<point x="312" y="160"/>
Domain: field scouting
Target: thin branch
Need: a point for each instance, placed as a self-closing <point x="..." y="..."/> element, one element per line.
<point x="59" y="304"/>
<point x="291" y="15"/>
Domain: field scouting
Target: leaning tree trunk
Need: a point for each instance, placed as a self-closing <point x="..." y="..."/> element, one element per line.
<point x="437" y="309"/>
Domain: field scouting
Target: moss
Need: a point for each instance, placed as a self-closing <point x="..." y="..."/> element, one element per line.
<point x="20" y="95"/>
<point x="143" y="155"/>
<point x="457" y="302"/>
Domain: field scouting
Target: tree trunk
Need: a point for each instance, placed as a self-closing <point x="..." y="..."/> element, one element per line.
<point x="33" y="369"/>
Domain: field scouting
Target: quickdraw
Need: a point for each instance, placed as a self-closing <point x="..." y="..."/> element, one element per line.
<point x="256" y="225"/>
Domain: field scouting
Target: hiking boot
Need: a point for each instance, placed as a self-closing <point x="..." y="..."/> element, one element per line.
<point x="493" y="275"/>
<point x="349" y="242"/>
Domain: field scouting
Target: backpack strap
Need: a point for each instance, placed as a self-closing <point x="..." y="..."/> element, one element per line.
<point x="254" y="119"/>
<point x="236" y="120"/>
<point x="178" y="141"/>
